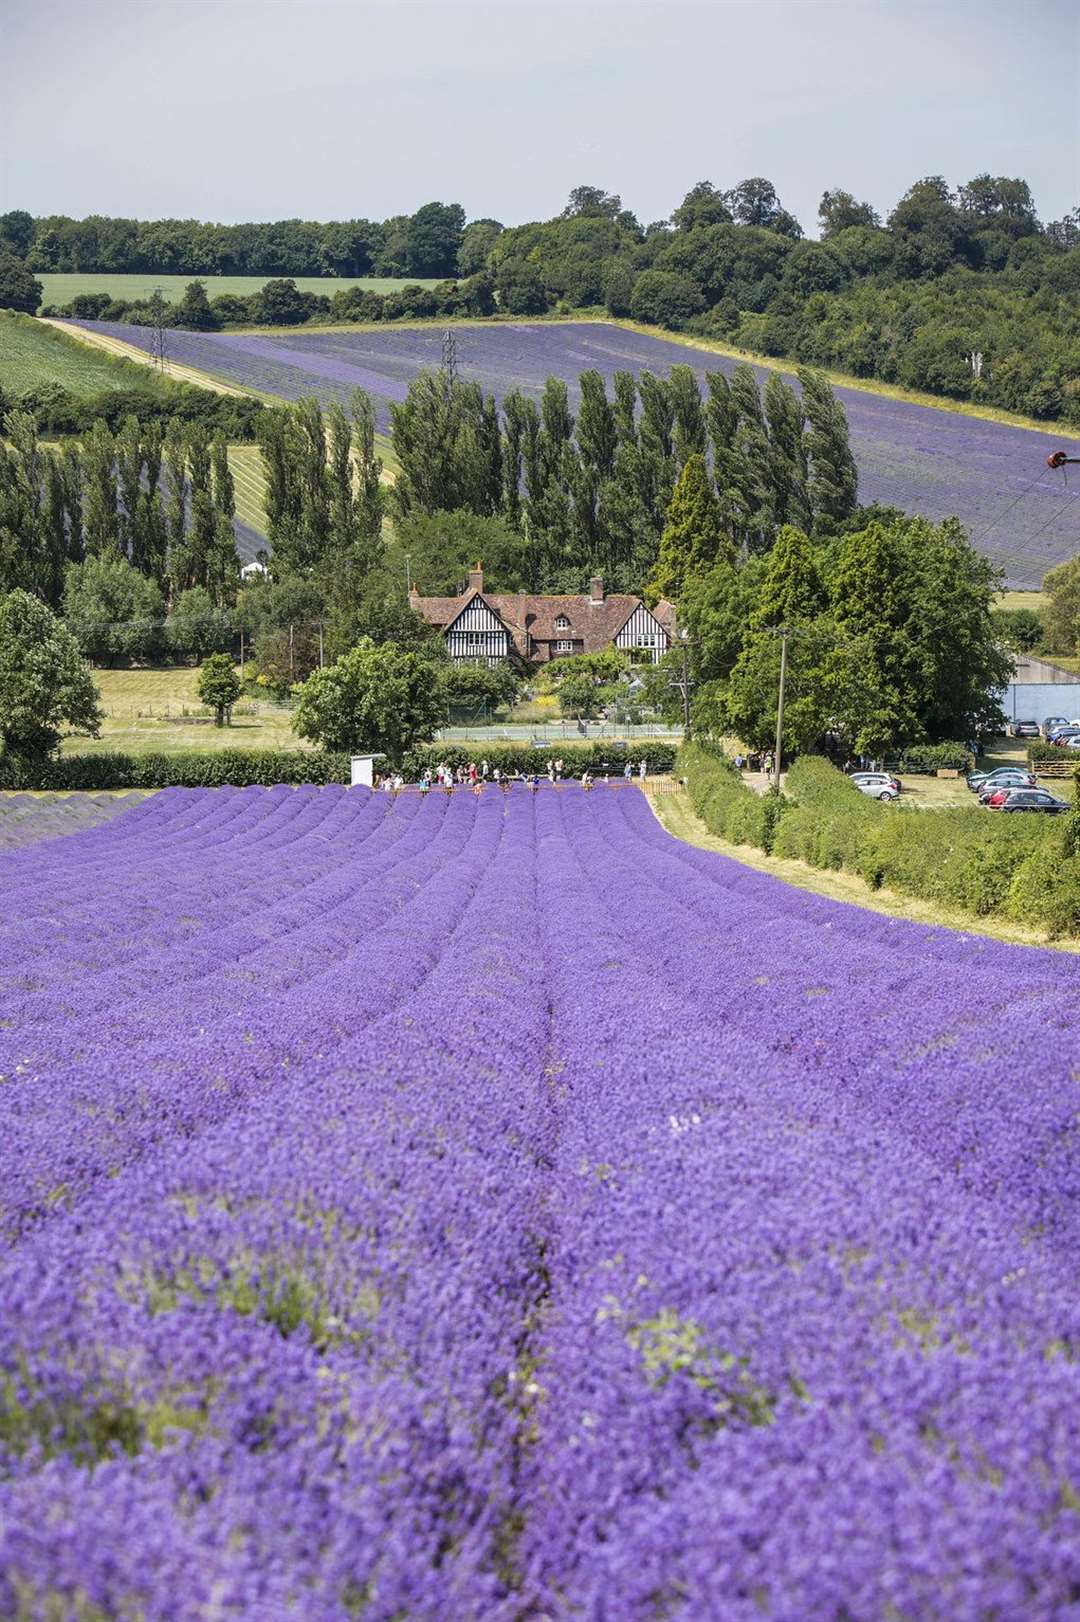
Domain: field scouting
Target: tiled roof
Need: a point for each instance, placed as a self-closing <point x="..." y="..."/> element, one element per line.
<point x="595" y="624"/>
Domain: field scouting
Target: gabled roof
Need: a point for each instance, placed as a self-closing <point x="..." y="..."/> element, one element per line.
<point x="594" y="622"/>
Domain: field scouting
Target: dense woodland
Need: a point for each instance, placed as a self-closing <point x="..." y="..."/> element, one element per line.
<point x="960" y="291"/>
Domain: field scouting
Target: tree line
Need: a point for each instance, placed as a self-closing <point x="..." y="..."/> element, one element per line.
<point x="566" y="495"/>
<point x="960" y="291"/>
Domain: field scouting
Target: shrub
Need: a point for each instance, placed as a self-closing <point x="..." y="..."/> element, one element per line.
<point x="189" y="768"/>
<point x="728" y="808"/>
<point x="932" y="757"/>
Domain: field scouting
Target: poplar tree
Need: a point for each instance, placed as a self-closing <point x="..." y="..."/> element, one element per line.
<point x="689" y="433"/>
<point x="834" y="481"/>
<point x="100" y="526"/>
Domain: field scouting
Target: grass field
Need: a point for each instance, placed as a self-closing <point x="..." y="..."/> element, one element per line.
<point x="246" y="463"/>
<point x="145" y="712"/>
<point x="1023" y="599"/>
<point x="60" y="287"/>
<point x="33" y="354"/>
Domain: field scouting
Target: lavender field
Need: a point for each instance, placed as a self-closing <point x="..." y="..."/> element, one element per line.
<point x="494" y="1208"/>
<point x="938" y="463"/>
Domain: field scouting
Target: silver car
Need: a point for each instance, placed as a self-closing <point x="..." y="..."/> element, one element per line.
<point x="879" y="785"/>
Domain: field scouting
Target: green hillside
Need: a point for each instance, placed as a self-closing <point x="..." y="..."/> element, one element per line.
<point x="62" y="286"/>
<point x="33" y="355"/>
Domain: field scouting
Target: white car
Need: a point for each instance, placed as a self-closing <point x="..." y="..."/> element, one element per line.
<point x="879" y="785"/>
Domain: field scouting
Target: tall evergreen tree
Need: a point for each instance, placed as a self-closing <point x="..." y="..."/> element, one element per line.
<point x="689" y="435"/>
<point x="787" y="467"/>
<point x="793" y="590"/>
<point x="694" y="539"/>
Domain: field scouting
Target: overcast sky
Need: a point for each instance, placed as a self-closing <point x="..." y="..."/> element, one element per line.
<point x="330" y="109"/>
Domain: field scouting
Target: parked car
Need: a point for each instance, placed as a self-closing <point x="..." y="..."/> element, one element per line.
<point x="1023" y="729"/>
<point x="1008" y="779"/>
<point x="1073" y="743"/>
<point x="1052" y="721"/>
<point x="1061" y="735"/>
<point x="977" y="781"/>
<point x="879" y="785"/>
<point x="1027" y="799"/>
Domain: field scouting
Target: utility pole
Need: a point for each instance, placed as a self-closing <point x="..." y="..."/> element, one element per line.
<point x="450" y="356"/>
<point x="684" y="639"/>
<point x="783" y="633"/>
<point x="408" y="575"/>
<point x="320" y="644"/>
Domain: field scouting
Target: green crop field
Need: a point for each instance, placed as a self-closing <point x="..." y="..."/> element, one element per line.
<point x="158" y="710"/>
<point x="60" y="287"/>
<point x="249" y="477"/>
<point x="32" y="354"/>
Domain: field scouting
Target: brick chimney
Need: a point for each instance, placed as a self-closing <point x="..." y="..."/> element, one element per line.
<point x="476" y="577"/>
<point x="596" y="589"/>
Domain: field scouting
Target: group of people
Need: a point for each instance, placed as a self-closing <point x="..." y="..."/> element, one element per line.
<point x="476" y="775"/>
<point x="755" y="763"/>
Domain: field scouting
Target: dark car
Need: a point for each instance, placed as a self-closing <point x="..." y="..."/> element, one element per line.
<point x="1009" y="779"/>
<point x="1000" y="777"/>
<point x="1027" y="799"/>
<point x="1023" y="729"/>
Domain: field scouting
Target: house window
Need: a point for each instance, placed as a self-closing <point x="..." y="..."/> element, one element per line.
<point x="562" y="623"/>
<point x="564" y="647"/>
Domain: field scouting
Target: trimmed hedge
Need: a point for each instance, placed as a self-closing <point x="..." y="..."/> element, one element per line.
<point x="509" y="757"/>
<point x="1025" y="868"/>
<point x="723" y="801"/>
<point x="218" y="768"/>
<point x="187" y="768"/>
<point x="1049" y="751"/>
<point x="932" y="757"/>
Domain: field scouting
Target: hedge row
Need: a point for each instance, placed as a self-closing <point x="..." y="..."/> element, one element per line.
<point x="932" y="757"/>
<point x="1024" y="868"/>
<point x="217" y="768"/>
<point x="723" y="801"/>
<point x="599" y="757"/>
<point x="188" y="768"/>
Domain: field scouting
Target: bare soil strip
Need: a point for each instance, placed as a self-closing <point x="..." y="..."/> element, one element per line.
<point x="173" y="369"/>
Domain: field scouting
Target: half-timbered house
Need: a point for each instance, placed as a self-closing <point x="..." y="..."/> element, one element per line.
<point x="489" y="628"/>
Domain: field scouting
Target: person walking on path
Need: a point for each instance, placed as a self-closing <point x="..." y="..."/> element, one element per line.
<point x="558" y="770"/>
<point x="643" y="767"/>
<point x="484" y="769"/>
<point x="628" y="772"/>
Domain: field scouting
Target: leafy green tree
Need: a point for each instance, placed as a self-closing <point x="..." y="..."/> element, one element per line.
<point x="1061" y="616"/>
<point x="16" y="232"/>
<point x="520" y="289"/>
<point x="477" y="241"/>
<point x="219" y="686"/>
<point x="838" y="211"/>
<point x="280" y="303"/>
<point x="749" y="700"/>
<point x="702" y="205"/>
<point x="194" y="310"/>
<point x="1020" y="629"/>
<point x="693" y="540"/>
<point x="197" y="626"/>
<point x="472" y="686"/>
<point x="19" y="288"/>
<point x="665" y="298"/>
<point x="113" y="611"/>
<point x="45" y="685"/>
<point x="793" y="591"/>
<point x="380" y="699"/>
<point x="443" y="546"/>
<point x="433" y="239"/>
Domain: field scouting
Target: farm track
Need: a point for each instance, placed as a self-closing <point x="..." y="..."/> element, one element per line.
<point x="117" y="346"/>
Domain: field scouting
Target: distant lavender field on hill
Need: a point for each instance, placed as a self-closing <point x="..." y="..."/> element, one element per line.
<point x="924" y="460"/>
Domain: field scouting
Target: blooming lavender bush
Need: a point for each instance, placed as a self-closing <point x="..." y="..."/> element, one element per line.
<point x="490" y="1207"/>
<point x="935" y="462"/>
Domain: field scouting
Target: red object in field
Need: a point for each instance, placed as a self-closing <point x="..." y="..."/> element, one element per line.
<point x="1059" y="459"/>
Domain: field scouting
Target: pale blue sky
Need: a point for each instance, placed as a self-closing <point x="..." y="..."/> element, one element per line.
<point x="264" y="109"/>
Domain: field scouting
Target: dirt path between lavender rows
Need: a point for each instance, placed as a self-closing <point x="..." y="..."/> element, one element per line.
<point x="126" y="351"/>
